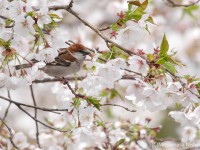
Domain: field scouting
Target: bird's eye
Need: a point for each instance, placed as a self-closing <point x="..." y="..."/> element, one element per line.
<point x="84" y="52"/>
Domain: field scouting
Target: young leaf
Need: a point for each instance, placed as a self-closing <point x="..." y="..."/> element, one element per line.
<point x="121" y="141"/>
<point x="161" y="60"/>
<point x="136" y="3"/>
<point x="164" y="47"/>
<point x="150" y="57"/>
<point x="96" y="103"/>
<point x="170" y="66"/>
<point x="150" y="19"/>
<point x="144" y="4"/>
<point x="2" y="42"/>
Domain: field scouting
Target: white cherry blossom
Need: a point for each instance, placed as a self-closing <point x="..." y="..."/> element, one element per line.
<point x="138" y="64"/>
<point x="43" y="17"/>
<point x="188" y="134"/>
<point x="24" y="25"/>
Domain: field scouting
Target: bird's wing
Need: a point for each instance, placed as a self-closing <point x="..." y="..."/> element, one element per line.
<point x="64" y="58"/>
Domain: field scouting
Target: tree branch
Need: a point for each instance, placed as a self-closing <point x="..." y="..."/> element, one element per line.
<point x="173" y="4"/>
<point x="69" y="9"/>
<point x="38" y="121"/>
<point x="30" y="106"/>
<point x="35" y="116"/>
<point x="85" y="97"/>
<point x="6" y="112"/>
<point x="116" y="105"/>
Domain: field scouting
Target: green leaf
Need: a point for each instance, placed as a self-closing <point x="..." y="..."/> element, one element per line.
<point x="104" y="93"/>
<point x="96" y="103"/>
<point x="121" y="141"/>
<point x="169" y="58"/>
<point x="136" y="3"/>
<point x="115" y="27"/>
<point x="8" y="22"/>
<point x="7" y="44"/>
<point x="189" y="10"/>
<point x="2" y="42"/>
<point x="170" y="66"/>
<point x="147" y="29"/>
<point x="129" y="6"/>
<point x="161" y="60"/>
<point x="137" y="14"/>
<point x="100" y="123"/>
<point x="152" y="133"/>
<point x="54" y="16"/>
<point x="150" y="19"/>
<point x="150" y="57"/>
<point x="144" y="4"/>
<point x="77" y="102"/>
<point x="164" y="47"/>
<point x="113" y="94"/>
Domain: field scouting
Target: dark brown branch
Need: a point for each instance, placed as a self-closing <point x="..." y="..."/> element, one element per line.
<point x="116" y="105"/>
<point x="75" y="14"/>
<point x="58" y="79"/>
<point x="38" y="121"/>
<point x="30" y="106"/>
<point x="103" y="29"/>
<point x="75" y="94"/>
<point x="174" y="4"/>
<point x="35" y="116"/>
<point x="127" y="77"/>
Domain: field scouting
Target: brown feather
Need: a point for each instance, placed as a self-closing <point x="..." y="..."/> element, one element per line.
<point x="64" y="57"/>
<point x="76" y="47"/>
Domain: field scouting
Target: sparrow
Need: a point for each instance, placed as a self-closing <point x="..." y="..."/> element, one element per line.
<point x="69" y="61"/>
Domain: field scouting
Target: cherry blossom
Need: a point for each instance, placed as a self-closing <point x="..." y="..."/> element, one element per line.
<point x="138" y="64"/>
<point x="188" y="134"/>
<point x="24" y="26"/>
<point x="43" y="17"/>
<point x="21" y="140"/>
<point x="18" y="9"/>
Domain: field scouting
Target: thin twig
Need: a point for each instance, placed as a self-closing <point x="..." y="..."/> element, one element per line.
<point x="47" y="80"/>
<point x="6" y="112"/>
<point x="103" y="29"/>
<point x="85" y="97"/>
<point x="174" y="4"/>
<point x="108" y="143"/>
<point x="30" y="106"/>
<point x="116" y="105"/>
<point x="42" y="122"/>
<point x="11" y="134"/>
<point x="35" y="115"/>
<point x="59" y="79"/>
<point x="73" y="92"/>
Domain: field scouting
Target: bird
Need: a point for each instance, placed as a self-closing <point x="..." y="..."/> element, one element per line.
<point x="69" y="61"/>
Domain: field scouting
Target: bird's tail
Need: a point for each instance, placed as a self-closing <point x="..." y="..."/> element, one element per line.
<point x="17" y="67"/>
